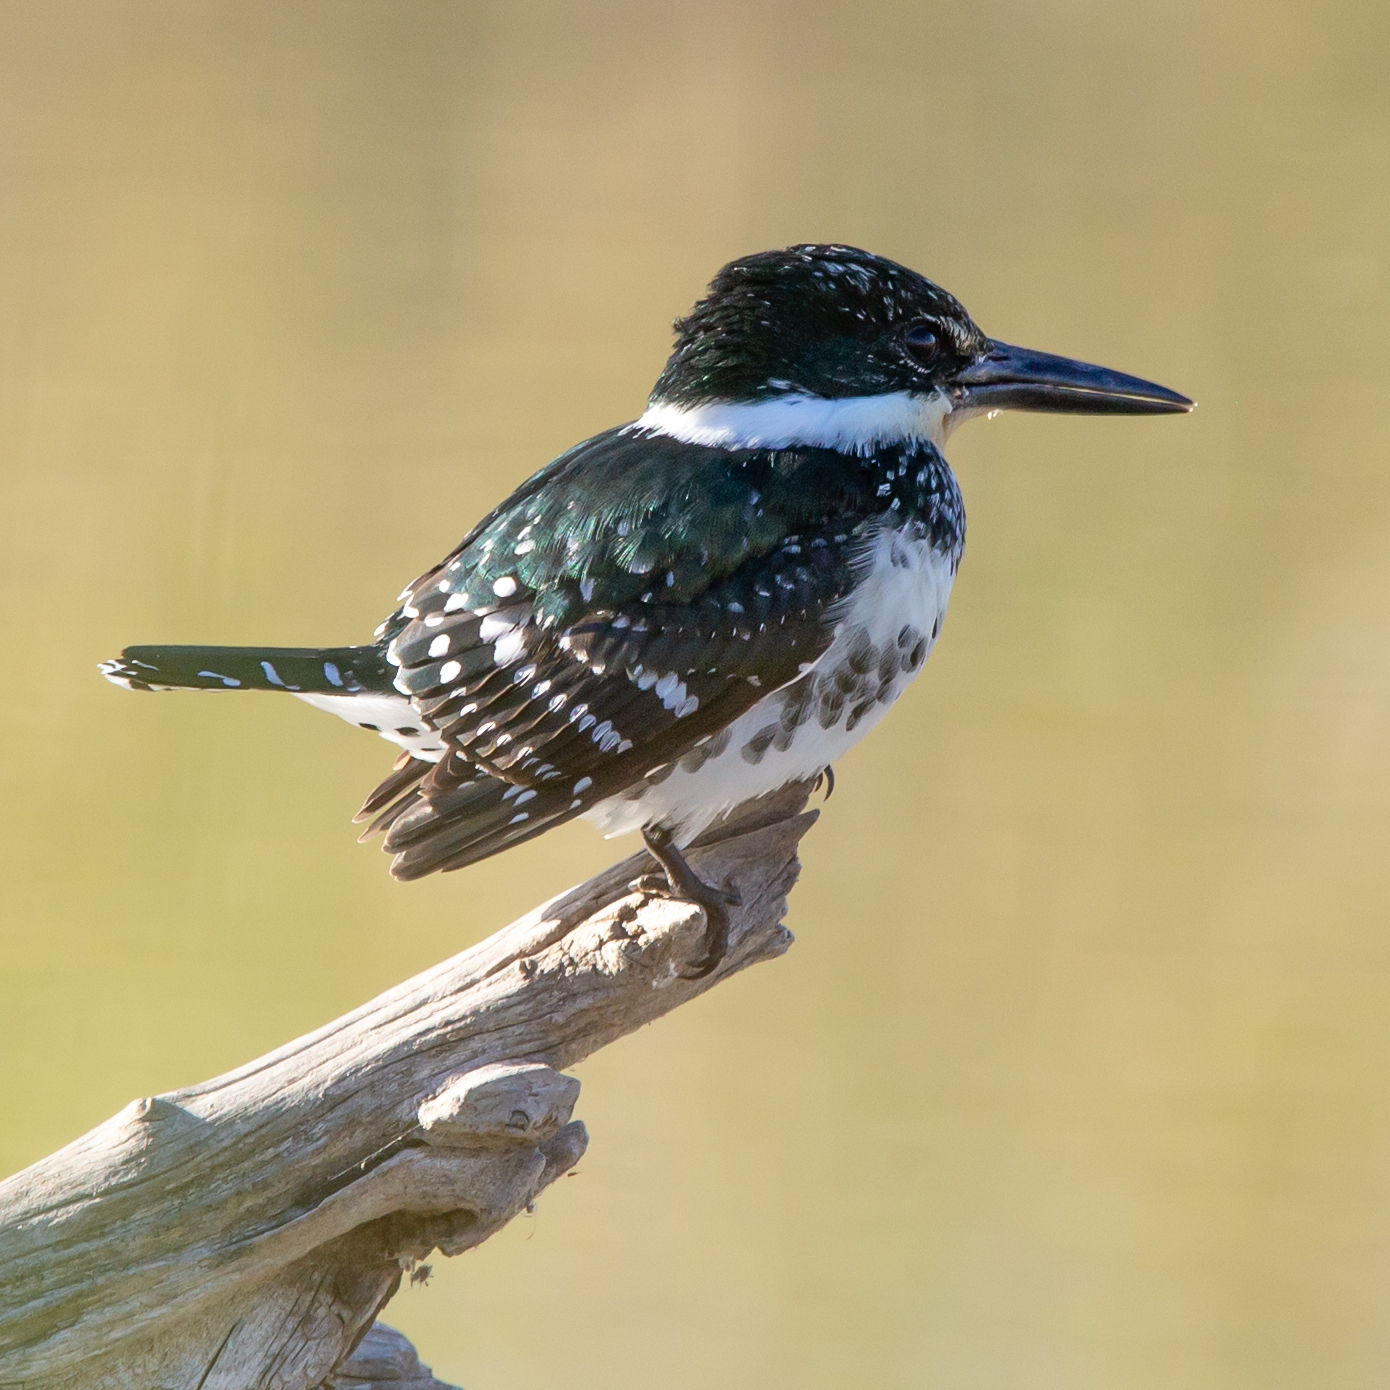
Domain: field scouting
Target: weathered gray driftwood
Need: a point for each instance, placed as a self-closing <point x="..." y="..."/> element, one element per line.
<point x="246" y="1232"/>
<point x="384" y="1360"/>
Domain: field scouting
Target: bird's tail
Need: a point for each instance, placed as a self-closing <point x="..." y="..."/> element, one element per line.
<point x="437" y="811"/>
<point x="449" y="814"/>
<point x="299" y="670"/>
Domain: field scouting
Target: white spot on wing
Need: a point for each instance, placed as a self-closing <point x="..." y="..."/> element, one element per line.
<point x="670" y="689"/>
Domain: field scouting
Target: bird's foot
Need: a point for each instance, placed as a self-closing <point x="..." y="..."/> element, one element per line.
<point x="827" y="776"/>
<point x="679" y="880"/>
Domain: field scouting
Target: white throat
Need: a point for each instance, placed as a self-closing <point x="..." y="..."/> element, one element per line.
<point x="851" y="424"/>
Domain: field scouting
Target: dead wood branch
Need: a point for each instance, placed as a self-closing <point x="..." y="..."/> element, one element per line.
<point x="384" y="1360"/>
<point x="245" y="1233"/>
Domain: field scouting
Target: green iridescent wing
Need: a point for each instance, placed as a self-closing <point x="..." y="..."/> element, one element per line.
<point x="605" y="623"/>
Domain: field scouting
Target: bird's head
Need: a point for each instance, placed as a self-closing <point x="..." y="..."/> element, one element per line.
<point x="832" y="346"/>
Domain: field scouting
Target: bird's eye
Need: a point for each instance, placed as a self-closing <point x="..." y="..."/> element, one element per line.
<point x="922" y="343"/>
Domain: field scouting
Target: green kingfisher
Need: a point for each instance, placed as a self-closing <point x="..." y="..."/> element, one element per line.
<point x="691" y="610"/>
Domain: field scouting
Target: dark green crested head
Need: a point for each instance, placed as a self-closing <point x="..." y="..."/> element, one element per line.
<point x="825" y="321"/>
<point x="828" y="345"/>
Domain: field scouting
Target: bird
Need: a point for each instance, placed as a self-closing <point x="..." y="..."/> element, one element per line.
<point x="688" y="611"/>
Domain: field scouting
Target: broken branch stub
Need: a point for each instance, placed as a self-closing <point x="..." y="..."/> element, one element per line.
<point x="384" y="1360"/>
<point x="247" y="1231"/>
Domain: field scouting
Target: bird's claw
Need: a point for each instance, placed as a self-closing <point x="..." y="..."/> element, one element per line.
<point x="681" y="882"/>
<point x="716" y="903"/>
<point x="716" y="944"/>
<point x="659" y="886"/>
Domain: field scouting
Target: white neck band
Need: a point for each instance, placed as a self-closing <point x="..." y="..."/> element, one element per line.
<point x="851" y="424"/>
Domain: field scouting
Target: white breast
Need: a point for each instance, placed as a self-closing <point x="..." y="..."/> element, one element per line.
<point x="884" y="632"/>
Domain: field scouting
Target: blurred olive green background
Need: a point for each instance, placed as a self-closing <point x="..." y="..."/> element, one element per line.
<point x="1079" y="1073"/>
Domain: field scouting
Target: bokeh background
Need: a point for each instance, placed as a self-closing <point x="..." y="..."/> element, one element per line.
<point x="1079" y="1073"/>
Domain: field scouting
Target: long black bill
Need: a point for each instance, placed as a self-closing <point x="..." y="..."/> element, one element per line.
<point x="1015" y="378"/>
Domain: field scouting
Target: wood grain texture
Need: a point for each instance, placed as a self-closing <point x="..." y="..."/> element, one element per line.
<point x="246" y="1232"/>
<point x="384" y="1360"/>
